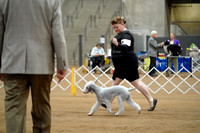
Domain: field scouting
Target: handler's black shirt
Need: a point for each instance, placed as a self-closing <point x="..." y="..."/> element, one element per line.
<point x="122" y="49"/>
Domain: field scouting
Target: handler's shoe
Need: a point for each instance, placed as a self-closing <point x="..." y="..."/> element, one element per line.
<point x="154" y="105"/>
<point x="104" y="105"/>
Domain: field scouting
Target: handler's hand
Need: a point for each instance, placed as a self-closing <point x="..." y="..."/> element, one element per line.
<point x="61" y="74"/>
<point x="114" y="40"/>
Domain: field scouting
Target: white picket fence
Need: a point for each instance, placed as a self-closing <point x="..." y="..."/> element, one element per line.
<point x="181" y="81"/>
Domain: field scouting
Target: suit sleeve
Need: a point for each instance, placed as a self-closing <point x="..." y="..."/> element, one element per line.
<point x="1" y="33"/>
<point x="154" y="43"/>
<point x="125" y="43"/>
<point x="59" y="38"/>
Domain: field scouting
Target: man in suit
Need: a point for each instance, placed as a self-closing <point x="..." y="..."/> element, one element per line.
<point x="31" y="32"/>
<point x="153" y="51"/>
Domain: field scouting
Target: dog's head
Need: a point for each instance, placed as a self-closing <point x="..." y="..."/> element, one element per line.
<point x="89" y="87"/>
<point x="166" y="42"/>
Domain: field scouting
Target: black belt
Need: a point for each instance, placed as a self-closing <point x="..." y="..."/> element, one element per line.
<point x="119" y="52"/>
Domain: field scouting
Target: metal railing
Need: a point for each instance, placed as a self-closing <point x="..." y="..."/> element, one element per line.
<point x="77" y="9"/>
<point x="70" y="19"/>
<point x="178" y="29"/>
<point x="109" y="31"/>
<point x="88" y="25"/>
<point x="126" y="16"/>
<point x="188" y="27"/>
<point x="94" y="19"/>
<point x="100" y="8"/>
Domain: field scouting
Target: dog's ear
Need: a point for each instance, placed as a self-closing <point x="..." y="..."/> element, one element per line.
<point x="90" y="90"/>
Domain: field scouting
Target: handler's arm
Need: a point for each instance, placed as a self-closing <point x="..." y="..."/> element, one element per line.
<point x="154" y="43"/>
<point x="1" y="38"/>
<point x="1" y="35"/>
<point x="59" y="41"/>
<point x="1" y="32"/>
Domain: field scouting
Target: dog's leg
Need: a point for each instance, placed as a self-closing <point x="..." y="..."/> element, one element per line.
<point x="121" y="106"/>
<point x="94" y="108"/>
<point x="108" y="104"/>
<point x="134" y="104"/>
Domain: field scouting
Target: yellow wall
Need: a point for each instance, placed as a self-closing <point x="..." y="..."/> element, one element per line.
<point x="189" y="14"/>
<point x="185" y="12"/>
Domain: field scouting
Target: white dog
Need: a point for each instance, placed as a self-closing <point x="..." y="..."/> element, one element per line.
<point x="106" y="95"/>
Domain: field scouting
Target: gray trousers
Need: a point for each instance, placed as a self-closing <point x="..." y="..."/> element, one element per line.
<point x="175" y="62"/>
<point x="17" y="88"/>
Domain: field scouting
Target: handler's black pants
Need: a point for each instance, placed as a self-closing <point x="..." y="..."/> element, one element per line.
<point x="152" y="64"/>
<point x="97" y="61"/>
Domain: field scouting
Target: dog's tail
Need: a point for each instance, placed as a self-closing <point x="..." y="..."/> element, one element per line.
<point x="130" y="89"/>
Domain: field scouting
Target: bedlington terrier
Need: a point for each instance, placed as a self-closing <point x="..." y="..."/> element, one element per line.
<point x="106" y="95"/>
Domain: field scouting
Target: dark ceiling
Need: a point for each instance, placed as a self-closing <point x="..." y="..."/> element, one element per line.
<point x="183" y="1"/>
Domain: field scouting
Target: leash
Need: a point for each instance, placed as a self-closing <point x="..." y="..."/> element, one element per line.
<point x="98" y="78"/>
<point x="130" y="89"/>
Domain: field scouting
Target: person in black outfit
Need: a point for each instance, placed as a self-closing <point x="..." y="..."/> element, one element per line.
<point x="125" y="60"/>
